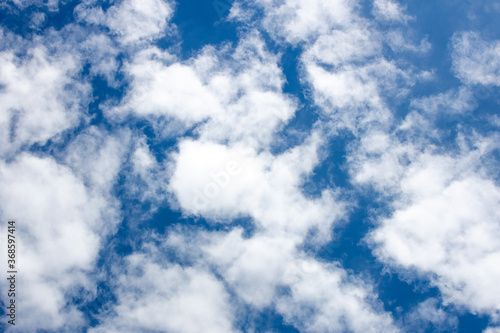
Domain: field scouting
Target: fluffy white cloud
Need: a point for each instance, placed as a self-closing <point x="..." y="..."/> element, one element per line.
<point x="388" y="10"/>
<point x="131" y="21"/>
<point x="174" y="90"/>
<point x="231" y="182"/>
<point x="40" y="97"/>
<point x="298" y="21"/>
<point x="445" y="225"/>
<point x="155" y="295"/>
<point x="266" y="270"/>
<point x="450" y="232"/>
<point x="379" y="160"/>
<point x="135" y="20"/>
<point x="219" y="90"/>
<point x="475" y="60"/>
<point x="324" y="298"/>
<point x="59" y="227"/>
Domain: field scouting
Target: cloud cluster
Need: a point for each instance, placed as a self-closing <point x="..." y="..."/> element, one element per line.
<point x="41" y="96"/>
<point x="475" y="60"/>
<point x="216" y="118"/>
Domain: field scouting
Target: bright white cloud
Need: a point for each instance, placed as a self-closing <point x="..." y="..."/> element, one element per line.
<point x="445" y="226"/>
<point x="302" y="21"/>
<point x="131" y="21"/>
<point x="444" y="222"/>
<point x="59" y="227"/>
<point x="323" y="298"/>
<point x="221" y="89"/>
<point x="320" y="297"/>
<point x="220" y="182"/>
<point x="156" y="295"/>
<point x="40" y="97"/>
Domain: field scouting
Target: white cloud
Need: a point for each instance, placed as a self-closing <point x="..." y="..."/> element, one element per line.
<point x="492" y="330"/>
<point x="345" y="69"/>
<point x="40" y="97"/>
<point x="475" y="60"/>
<point x="102" y="54"/>
<point x="136" y="20"/>
<point x="323" y="298"/>
<point x="299" y="21"/>
<point x="445" y="226"/>
<point x="455" y="101"/>
<point x="428" y="315"/>
<point x="379" y="160"/>
<point x="53" y="5"/>
<point x="105" y="150"/>
<point x="131" y="21"/>
<point x="345" y="46"/>
<point x="399" y="43"/>
<point x="174" y="90"/>
<point x="319" y="297"/>
<point x="219" y="90"/>
<point x="264" y="187"/>
<point x="60" y="223"/>
<point x="156" y="295"/>
<point x="388" y="10"/>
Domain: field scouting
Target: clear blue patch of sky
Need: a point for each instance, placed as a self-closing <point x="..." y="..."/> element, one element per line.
<point x="203" y="22"/>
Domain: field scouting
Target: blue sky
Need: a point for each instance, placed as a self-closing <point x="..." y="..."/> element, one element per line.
<point x="251" y="166"/>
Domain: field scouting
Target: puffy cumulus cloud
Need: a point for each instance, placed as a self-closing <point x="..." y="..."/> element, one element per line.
<point x="380" y="160"/>
<point x="351" y="96"/>
<point x="444" y="204"/>
<point x="320" y="297"/>
<point x="299" y="21"/>
<point x="218" y="182"/>
<point x="342" y="65"/>
<point x="353" y="82"/>
<point x="324" y="298"/>
<point x="451" y="235"/>
<point x="60" y="223"/>
<point x="131" y="21"/>
<point x="475" y="60"/>
<point x="156" y="295"/>
<point x="219" y="90"/>
<point x="268" y="271"/>
<point x="170" y="90"/>
<point x="445" y="226"/>
<point x="344" y="46"/>
<point x="41" y="96"/>
<point x="135" y="20"/>
<point x="253" y="267"/>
